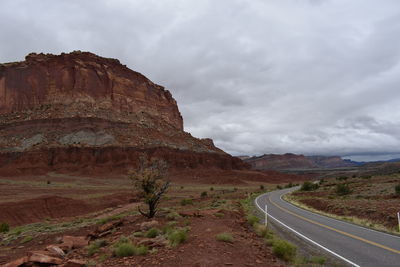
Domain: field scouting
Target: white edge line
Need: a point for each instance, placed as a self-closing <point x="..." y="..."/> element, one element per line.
<point x="306" y="238"/>
<point x="338" y="220"/>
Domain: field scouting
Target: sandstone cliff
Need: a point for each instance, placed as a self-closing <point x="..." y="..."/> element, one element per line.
<point x="79" y="111"/>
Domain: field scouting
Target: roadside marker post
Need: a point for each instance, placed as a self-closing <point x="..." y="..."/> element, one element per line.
<point x="266" y="215"/>
<point x="398" y="219"/>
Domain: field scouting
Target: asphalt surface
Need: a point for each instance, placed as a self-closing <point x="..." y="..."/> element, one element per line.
<point x="355" y="245"/>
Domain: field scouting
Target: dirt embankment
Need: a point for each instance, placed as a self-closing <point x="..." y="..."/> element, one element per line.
<point x="370" y="198"/>
<point x="54" y="207"/>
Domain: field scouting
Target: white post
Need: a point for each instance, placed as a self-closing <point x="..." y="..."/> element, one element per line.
<point x="398" y="218"/>
<point x="266" y="215"/>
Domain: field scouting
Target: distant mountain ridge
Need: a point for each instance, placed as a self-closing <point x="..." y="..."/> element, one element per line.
<point x="293" y="161"/>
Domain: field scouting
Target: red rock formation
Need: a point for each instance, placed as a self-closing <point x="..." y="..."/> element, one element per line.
<point x="293" y="161"/>
<point x="65" y="83"/>
<point x="81" y="112"/>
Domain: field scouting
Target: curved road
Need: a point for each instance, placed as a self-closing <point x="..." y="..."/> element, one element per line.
<point x="356" y="245"/>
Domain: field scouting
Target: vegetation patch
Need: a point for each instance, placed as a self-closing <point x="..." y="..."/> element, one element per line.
<point x="284" y="250"/>
<point x="4" y="227"/>
<point x="186" y="201"/>
<point x="26" y="239"/>
<point x="225" y="237"/>
<point x="342" y="189"/>
<point x="124" y="248"/>
<point x="309" y="186"/>
<point x="153" y="232"/>
<point x="95" y="246"/>
<point x="176" y="237"/>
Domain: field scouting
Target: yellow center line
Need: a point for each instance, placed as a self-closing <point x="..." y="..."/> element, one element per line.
<point x="336" y="230"/>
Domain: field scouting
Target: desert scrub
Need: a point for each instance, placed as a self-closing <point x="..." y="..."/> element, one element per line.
<point x="309" y="186"/>
<point x="284" y="250"/>
<point x="260" y="229"/>
<point x="397" y="189"/>
<point x="128" y="249"/>
<point x="251" y="219"/>
<point x="342" y="189"/>
<point x="186" y="201"/>
<point x="94" y="247"/>
<point x="26" y="239"/>
<point x="4" y="227"/>
<point x="225" y="237"/>
<point x="172" y="216"/>
<point x="153" y="232"/>
<point x="177" y="236"/>
<point x="124" y="248"/>
<point x="318" y="260"/>
<point x="203" y="194"/>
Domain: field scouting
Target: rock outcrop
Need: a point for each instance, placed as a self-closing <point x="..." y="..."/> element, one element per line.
<point x="292" y="161"/>
<point x="80" y="85"/>
<point x="79" y="111"/>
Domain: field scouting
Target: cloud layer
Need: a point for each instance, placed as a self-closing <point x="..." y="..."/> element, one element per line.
<point x="313" y="77"/>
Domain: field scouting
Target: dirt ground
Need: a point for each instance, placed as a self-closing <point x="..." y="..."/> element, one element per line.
<point x="372" y="199"/>
<point x="42" y="209"/>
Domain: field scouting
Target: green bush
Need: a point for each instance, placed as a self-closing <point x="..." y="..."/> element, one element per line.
<point x="124" y="250"/>
<point x="127" y="249"/>
<point x="211" y="188"/>
<point x="95" y="246"/>
<point x="342" y="189"/>
<point x="26" y="239"/>
<point x="177" y="237"/>
<point x="289" y="185"/>
<point x="318" y="259"/>
<point x="203" y="194"/>
<point x="4" y="227"/>
<point x="187" y="201"/>
<point x="260" y="229"/>
<point x="309" y="186"/>
<point x="225" y="237"/>
<point x="279" y="187"/>
<point x="397" y="189"/>
<point x="284" y="250"/>
<point x="262" y="187"/>
<point x="153" y="232"/>
<point x="251" y="219"/>
<point x="140" y="250"/>
<point x="138" y="234"/>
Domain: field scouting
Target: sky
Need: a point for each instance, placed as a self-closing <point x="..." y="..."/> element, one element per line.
<point x="316" y="77"/>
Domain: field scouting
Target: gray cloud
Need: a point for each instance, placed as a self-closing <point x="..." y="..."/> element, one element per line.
<point x="313" y="77"/>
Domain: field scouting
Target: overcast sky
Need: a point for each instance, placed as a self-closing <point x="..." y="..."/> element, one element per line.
<point x="257" y="76"/>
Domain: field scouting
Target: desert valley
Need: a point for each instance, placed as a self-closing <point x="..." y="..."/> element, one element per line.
<point x="199" y="133"/>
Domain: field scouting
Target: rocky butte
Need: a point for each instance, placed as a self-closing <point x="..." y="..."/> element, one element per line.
<point x="79" y="112"/>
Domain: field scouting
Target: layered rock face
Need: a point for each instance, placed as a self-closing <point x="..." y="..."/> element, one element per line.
<point x="82" y="111"/>
<point x="80" y="85"/>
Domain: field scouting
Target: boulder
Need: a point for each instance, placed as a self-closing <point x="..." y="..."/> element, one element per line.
<point x="75" y="241"/>
<point x="43" y="257"/>
<point x="55" y="250"/>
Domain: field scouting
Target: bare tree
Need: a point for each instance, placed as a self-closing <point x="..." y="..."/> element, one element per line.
<point x="149" y="180"/>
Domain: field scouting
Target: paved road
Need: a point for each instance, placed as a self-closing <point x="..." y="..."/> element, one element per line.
<point x="358" y="246"/>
